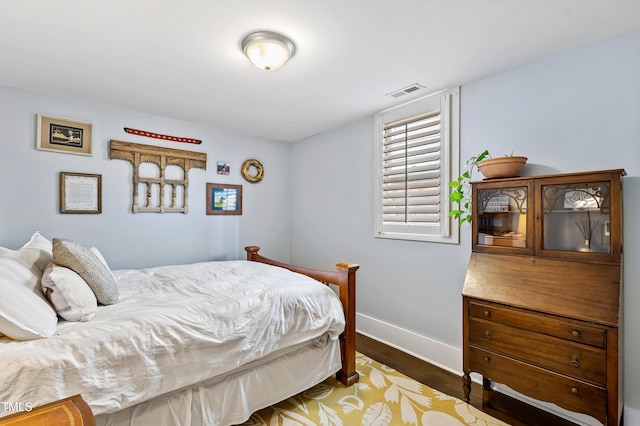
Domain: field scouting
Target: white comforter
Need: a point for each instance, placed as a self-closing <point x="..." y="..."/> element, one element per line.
<point x="173" y="327"/>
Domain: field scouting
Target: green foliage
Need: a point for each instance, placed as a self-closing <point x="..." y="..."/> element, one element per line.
<point x="461" y="190"/>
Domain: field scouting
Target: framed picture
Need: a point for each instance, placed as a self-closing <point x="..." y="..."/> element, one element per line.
<point x="224" y="199"/>
<point x="223" y="168"/>
<point x="80" y="193"/>
<point x="64" y="135"/>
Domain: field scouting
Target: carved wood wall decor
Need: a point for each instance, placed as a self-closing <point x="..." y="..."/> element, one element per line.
<point x="162" y="157"/>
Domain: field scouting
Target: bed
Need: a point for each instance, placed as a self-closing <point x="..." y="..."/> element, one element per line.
<point x="208" y="343"/>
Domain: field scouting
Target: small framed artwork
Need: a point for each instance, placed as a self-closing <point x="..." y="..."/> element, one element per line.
<point x="224" y="199"/>
<point x="223" y="168"/>
<point x="64" y="135"/>
<point x="80" y="193"/>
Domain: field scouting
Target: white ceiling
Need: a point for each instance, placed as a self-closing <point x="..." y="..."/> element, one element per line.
<point x="182" y="58"/>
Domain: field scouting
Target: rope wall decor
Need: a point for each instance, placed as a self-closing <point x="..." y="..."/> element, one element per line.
<point x="160" y="136"/>
<point x="247" y="174"/>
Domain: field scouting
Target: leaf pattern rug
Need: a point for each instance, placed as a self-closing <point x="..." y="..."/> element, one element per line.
<point x="382" y="397"/>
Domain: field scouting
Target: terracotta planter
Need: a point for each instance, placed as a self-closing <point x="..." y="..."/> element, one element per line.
<point x="501" y="167"/>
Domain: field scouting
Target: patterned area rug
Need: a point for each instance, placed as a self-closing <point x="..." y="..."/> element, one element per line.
<point x="382" y="397"/>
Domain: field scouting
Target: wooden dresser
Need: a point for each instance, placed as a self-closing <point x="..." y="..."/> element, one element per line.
<point x="542" y="294"/>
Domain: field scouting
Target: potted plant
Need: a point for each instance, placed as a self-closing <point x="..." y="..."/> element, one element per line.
<point x="461" y="193"/>
<point x="501" y="167"/>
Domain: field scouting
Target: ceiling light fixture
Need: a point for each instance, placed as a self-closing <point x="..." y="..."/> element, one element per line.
<point x="268" y="50"/>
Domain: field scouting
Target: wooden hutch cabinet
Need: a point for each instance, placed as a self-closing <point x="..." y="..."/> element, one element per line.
<point x="542" y="295"/>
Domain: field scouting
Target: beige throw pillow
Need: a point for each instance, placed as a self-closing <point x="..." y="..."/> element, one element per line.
<point x="83" y="262"/>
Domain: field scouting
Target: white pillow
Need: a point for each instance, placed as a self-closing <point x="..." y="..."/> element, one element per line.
<point x="39" y="250"/>
<point x="69" y="294"/>
<point x="25" y="314"/>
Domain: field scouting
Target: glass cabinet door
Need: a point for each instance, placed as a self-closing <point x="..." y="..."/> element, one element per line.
<point x="576" y="219"/>
<point x="501" y="221"/>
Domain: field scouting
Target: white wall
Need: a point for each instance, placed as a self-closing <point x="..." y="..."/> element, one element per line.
<point x="30" y="191"/>
<point x="577" y="111"/>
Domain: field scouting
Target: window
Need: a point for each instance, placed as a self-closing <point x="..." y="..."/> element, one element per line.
<point x="417" y="153"/>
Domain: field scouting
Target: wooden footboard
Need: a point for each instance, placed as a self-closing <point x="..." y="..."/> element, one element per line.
<point x="345" y="278"/>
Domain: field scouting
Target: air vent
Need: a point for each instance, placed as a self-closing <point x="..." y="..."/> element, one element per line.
<point x="409" y="89"/>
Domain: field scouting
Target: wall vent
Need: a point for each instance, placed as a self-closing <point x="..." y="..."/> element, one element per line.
<point x="404" y="91"/>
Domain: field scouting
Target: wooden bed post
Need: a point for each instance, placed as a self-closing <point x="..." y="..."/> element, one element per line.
<point x="252" y="253"/>
<point x="348" y="374"/>
<point x="345" y="279"/>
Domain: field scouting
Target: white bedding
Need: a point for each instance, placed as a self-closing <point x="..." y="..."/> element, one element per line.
<point x="232" y="399"/>
<point x="174" y="326"/>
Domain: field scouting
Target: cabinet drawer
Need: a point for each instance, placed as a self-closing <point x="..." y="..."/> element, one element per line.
<point x="574" y="395"/>
<point x="580" y="361"/>
<point x="573" y="331"/>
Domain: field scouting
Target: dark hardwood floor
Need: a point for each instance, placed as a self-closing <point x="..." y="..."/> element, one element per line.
<point x="498" y="405"/>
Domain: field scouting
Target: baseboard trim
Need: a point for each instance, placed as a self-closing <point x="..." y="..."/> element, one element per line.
<point x="577" y="418"/>
<point x="432" y="351"/>
<point x="449" y="358"/>
<point x="631" y="416"/>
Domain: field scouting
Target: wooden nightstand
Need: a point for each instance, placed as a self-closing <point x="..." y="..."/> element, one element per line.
<point x="69" y="411"/>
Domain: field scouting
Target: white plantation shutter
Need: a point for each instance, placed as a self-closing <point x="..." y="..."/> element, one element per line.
<point x="411" y="176"/>
<point x="413" y="169"/>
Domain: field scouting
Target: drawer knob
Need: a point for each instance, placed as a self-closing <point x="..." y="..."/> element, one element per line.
<point x="574" y="391"/>
<point x="487" y="359"/>
<point x="575" y="360"/>
<point x="487" y="335"/>
<point x="487" y="313"/>
<point x="575" y="333"/>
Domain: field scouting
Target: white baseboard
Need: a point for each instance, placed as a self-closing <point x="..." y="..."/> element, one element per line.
<point x="449" y="358"/>
<point x="631" y="416"/>
<point x="577" y="418"/>
<point x="432" y="351"/>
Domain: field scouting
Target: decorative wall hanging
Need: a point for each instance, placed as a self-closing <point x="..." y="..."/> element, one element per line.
<point x="63" y="135"/>
<point x="160" y="136"/>
<point x="252" y="171"/>
<point x="167" y="188"/>
<point x="224" y="199"/>
<point x="223" y="168"/>
<point x="80" y="193"/>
